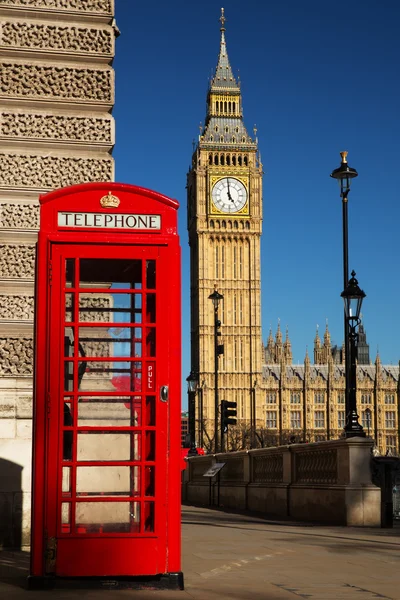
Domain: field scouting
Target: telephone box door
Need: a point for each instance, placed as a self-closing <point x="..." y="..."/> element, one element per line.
<point x="107" y="455"/>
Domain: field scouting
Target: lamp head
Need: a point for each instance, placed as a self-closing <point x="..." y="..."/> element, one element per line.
<point x="344" y="174"/>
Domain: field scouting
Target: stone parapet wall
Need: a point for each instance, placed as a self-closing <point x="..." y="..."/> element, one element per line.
<point x="327" y="482"/>
<point x="94" y="7"/>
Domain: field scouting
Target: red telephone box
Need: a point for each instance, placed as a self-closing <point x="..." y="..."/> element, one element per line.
<point x="106" y="453"/>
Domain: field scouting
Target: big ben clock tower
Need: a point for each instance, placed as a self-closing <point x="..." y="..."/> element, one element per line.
<point x="224" y="223"/>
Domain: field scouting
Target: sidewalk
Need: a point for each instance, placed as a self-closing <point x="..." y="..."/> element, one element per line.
<point x="244" y="557"/>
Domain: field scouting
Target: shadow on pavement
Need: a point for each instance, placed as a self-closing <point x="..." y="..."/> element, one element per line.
<point x="14" y="568"/>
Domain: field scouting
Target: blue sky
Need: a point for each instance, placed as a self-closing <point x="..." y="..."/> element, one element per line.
<point x="317" y="77"/>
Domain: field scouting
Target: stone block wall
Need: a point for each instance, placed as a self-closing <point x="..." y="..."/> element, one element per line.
<point x="56" y="130"/>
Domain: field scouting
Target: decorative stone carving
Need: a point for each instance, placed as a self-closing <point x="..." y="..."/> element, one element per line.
<point x="50" y="172"/>
<point x="17" y="261"/>
<point x="48" y="81"/>
<point x="56" y="127"/>
<point x="52" y="37"/>
<point x="19" y="216"/>
<point x="86" y="6"/>
<point x="16" y="356"/>
<point x="16" y="307"/>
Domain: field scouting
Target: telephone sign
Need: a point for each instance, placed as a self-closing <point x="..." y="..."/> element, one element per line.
<point x="106" y="442"/>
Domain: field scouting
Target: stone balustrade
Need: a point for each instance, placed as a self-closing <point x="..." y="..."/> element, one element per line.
<point x="326" y="482"/>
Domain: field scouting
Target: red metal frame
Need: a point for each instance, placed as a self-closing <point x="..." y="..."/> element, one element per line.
<point x="79" y="551"/>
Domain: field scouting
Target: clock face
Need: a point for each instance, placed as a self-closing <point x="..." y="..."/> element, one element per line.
<point x="229" y="195"/>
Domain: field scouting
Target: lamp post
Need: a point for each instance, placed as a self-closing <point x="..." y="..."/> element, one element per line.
<point x="216" y="298"/>
<point x="352" y="296"/>
<point x="368" y="419"/>
<point x="192" y="387"/>
<point x="343" y="175"/>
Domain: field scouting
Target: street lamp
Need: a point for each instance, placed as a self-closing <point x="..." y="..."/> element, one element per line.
<point x="344" y="174"/>
<point x="216" y="298"/>
<point x="352" y="296"/>
<point x="192" y="387"/>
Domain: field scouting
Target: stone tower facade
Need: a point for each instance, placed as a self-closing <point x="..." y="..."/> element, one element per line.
<point x="224" y="223"/>
<point x="56" y="130"/>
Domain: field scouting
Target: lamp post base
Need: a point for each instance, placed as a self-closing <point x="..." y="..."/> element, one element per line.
<point x="353" y="427"/>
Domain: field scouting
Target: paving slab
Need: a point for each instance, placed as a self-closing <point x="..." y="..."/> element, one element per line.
<point x="243" y="556"/>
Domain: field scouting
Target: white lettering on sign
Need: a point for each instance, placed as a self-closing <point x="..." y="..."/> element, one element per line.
<point x="150" y="377"/>
<point x="109" y="220"/>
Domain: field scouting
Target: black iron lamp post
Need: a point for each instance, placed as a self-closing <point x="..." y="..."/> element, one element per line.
<point x="192" y="387"/>
<point x="216" y="298"/>
<point x="344" y="174"/>
<point x="353" y="297"/>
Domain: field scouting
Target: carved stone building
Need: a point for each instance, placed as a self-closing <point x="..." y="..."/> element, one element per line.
<point x="56" y="129"/>
<point x="224" y="223"/>
<point x="307" y="402"/>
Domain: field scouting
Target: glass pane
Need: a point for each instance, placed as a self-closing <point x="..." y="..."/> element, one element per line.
<point x="150" y="341"/>
<point x="150" y="445"/>
<point x="149" y="488"/>
<point x="70" y="272"/>
<point x="150" y="419"/>
<point x="108" y="446"/>
<point x="105" y="517"/>
<point x="68" y="376"/>
<point x="66" y="481"/>
<point x="104" y="272"/>
<point x="68" y="419"/>
<point x="96" y="308"/>
<point x="67" y="445"/>
<point x="149" y="516"/>
<point x="69" y="346"/>
<point x="110" y="376"/>
<point x="65" y="517"/>
<point x="108" y="481"/>
<point x="150" y="308"/>
<point x="114" y="411"/>
<point x="151" y="274"/>
<point x="69" y="307"/>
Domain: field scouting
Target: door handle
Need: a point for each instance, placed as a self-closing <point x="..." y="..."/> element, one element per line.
<point x="164" y="390"/>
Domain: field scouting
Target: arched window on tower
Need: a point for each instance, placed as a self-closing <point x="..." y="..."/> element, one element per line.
<point x="233" y="139"/>
<point x="225" y="107"/>
<point x="230" y="106"/>
<point x="234" y="159"/>
<point x="234" y="107"/>
<point x="239" y="161"/>
<point x="228" y="159"/>
<point x="222" y="159"/>
<point x="221" y="138"/>
<point x="215" y="159"/>
<point x="245" y="161"/>
<point x="217" y="106"/>
<point x="210" y="159"/>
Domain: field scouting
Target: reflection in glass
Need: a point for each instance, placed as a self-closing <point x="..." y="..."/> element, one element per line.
<point x="99" y="446"/>
<point x="150" y="445"/>
<point x="104" y="517"/>
<point x="151" y="308"/>
<point x="66" y="481"/>
<point x="111" y="376"/>
<point x="108" y="411"/>
<point x="67" y="445"/>
<point x="151" y="274"/>
<point x="149" y="481"/>
<point x="103" y="272"/>
<point x="149" y="516"/>
<point x="150" y="341"/>
<point x="69" y="307"/>
<point x="108" y="481"/>
<point x="65" y="517"/>
<point x="70" y="272"/>
<point x="150" y="411"/>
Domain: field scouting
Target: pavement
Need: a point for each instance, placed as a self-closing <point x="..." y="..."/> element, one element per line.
<point x="243" y="556"/>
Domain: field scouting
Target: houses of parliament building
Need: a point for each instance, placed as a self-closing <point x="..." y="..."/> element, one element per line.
<point x="224" y="219"/>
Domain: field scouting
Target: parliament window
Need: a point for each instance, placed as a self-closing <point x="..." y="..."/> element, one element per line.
<point x="295" y="398"/>
<point x="319" y="398"/>
<point x="389" y="398"/>
<point x="341" y="398"/>
<point x="390" y="419"/>
<point x="391" y="445"/>
<point x="295" y="419"/>
<point x="271" y="398"/>
<point x="319" y="418"/>
<point x="341" y="419"/>
<point x="365" y="398"/>
<point x="271" y="419"/>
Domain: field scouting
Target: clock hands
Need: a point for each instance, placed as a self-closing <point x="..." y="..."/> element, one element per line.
<point x="229" y="193"/>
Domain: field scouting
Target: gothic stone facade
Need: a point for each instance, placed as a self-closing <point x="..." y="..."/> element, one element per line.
<point x="56" y="96"/>
<point x="307" y="402"/>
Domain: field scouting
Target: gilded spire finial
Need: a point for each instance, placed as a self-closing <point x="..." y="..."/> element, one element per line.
<point x="222" y="19"/>
<point x="344" y="156"/>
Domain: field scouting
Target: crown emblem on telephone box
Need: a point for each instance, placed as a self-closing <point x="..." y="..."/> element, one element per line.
<point x="110" y="201"/>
